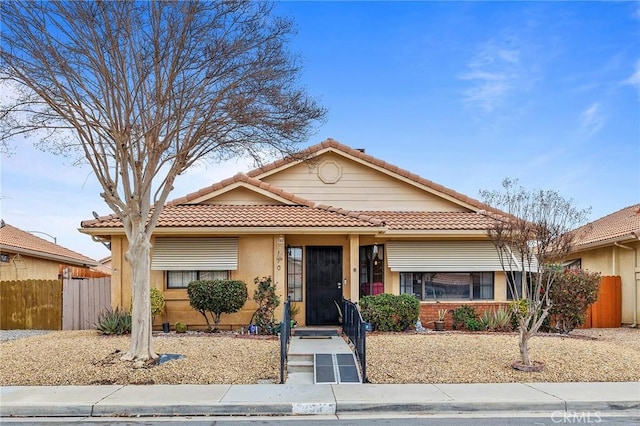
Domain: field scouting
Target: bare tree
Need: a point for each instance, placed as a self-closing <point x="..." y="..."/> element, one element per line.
<point x="146" y="89"/>
<point x="531" y="240"/>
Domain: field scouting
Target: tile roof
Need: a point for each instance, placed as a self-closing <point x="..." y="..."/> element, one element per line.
<point x="613" y="227"/>
<point x="242" y="178"/>
<point x="224" y="216"/>
<point x="335" y="145"/>
<point x="13" y="239"/>
<point x="427" y="221"/>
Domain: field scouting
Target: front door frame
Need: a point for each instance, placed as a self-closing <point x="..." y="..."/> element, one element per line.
<point x="323" y="282"/>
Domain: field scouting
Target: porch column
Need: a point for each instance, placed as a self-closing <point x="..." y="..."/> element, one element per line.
<point x="354" y="280"/>
<point x="279" y="268"/>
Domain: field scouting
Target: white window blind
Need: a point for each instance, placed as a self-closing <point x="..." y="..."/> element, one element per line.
<point x="443" y="256"/>
<point x="195" y="254"/>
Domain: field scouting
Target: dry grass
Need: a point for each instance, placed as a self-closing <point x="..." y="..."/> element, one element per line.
<point x="84" y="357"/>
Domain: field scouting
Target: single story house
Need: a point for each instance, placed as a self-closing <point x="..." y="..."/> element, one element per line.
<point x="611" y="246"/>
<point x="341" y="223"/>
<point x="24" y="256"/>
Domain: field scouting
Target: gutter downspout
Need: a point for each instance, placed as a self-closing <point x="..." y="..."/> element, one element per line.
<point x="635" y="276"/>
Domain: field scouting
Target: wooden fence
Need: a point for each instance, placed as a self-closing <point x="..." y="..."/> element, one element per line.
<point x="31" y="305"/>
<point x="606" y="312"/>
<point x="83" y="300"/>
<point x="67" y="304"/>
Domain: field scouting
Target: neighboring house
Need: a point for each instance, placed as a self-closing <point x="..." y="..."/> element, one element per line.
<point x="23" y="256"/>
<point x="340" y="223"/>
<point x="611" y="246"/>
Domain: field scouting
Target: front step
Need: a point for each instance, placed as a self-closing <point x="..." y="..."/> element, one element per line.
<point x="300" y="363"/>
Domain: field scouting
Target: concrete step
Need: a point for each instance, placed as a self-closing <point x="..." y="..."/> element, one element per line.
<point x="299" y="365"/>
<point x="299" y="378"/>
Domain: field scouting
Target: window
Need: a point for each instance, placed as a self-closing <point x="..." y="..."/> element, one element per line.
<point x="181" y="279"/>
<point x="294" y="273"/>
<point x="371" y="270"/>
<point x="515" y="277"/>
<point x="4" y="258"/>
<point x="448" y="285"/>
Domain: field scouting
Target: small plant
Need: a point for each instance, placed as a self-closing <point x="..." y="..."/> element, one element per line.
<point x="462" y="315"/>
<point x="114" y="321"/>
<point x="487" y="320"/>
<point x="157" y="302"/>
<point x="502" y="319"/>
<point x="442" y="314"/>
<point x="473" y="324"/>
<point x="294" y="310"/>
<point x="181" y="328"/>
<point x="267" y="299"/>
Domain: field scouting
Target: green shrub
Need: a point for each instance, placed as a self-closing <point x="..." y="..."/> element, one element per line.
<point x="571" y="294"/>
<point x="388" y="312"/>
<point x="114" y="321"/>
<point x="216" y="297"/>
<point x="181" y="327"/>
<point x="157" y="302"/>
<point x="267" y="299"/>
<point x="473" y="324"/>
<point x="462" y="314"/>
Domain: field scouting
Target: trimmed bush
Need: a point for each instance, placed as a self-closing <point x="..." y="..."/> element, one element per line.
<point x="181" y="327"/>
<point x="114" y="321"/>
<point x="216" y="297"/>
<point x="388" y="312"/>
<point x="157" y="302"/>
<point x="571" y="294"/>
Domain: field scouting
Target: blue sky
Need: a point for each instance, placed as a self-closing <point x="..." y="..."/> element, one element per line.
<point x="462" y="93"/>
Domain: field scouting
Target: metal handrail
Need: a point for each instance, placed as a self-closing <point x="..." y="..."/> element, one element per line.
<point x="354" y="326"/>
<point x="285" y="334"/>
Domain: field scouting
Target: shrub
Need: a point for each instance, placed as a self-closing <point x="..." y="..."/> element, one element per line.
<point x="487" y="320"/>
<point x="473" y="324"/>
<point x="267" y="299"/>
<point x="502" y="319"/>
<point x="181" y="327"/>
<point x="216" y="297"/>
<point x="462" y="315"/>
<point x="114" y="321"/>
<point x="571" y="294"/>
<point x="388" y="312"/>
<point x="157" y="302"/>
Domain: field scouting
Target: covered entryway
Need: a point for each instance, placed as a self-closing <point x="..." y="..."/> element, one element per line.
<point x="324" y="285"/>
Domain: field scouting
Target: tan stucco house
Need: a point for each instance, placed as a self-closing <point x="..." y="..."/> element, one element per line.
<point x="611" y="246"/>
<point x="341" y="223"/>
<point x="24" y="256"/>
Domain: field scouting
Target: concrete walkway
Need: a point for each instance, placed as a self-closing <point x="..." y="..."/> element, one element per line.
<point x="288" y="399"/>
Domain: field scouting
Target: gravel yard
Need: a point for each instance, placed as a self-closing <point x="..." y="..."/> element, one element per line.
<point x="85" y="357"/>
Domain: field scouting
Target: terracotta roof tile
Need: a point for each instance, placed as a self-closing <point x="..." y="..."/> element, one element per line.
<point x="15" y="239"/>
<point x="427" y="221"/>
<point x="611" y="227"/>
<point x="204" y="215"/>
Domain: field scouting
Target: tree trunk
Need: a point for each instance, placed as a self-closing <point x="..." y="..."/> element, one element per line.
<point x="524" y="347"/>
<point x="141" y="347"/>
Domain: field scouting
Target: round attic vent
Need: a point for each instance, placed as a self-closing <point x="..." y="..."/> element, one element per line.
<point x="329" y="171"/>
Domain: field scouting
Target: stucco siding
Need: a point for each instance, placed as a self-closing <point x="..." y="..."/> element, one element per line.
<point x="22" y="267"/>
<point x="340" y="182"/>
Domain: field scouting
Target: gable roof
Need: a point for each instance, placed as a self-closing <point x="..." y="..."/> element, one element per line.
<point x="360" y="156"/>
<point x="15" y="240"/>
<point x="185" y="212"/>
<point x="619" y="226"/>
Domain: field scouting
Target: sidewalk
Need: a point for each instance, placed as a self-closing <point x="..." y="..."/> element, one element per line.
<point x="290" y="399"/>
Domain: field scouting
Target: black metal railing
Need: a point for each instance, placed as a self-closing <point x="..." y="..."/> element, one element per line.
<point x="285" y="332"/>
<point x="354" y="326"/>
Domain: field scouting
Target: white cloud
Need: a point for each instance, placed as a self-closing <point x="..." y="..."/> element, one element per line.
<point x="493" y="73"/>
<point x="592" y="119"/>
<point x="634" y="79"/>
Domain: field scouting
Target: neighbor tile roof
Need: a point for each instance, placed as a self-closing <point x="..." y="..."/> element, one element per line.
<point x="223" y="216"/>
<point x="331" y="143"/>
<point x="427" y="221"/>
<point x="13" y="239"/>
<point x="613" y="227"/>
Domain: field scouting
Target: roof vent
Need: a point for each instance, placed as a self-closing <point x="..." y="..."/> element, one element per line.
<point x="360" y="149"/>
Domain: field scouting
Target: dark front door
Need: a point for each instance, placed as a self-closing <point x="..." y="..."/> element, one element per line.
<point x="324" y="285"/>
